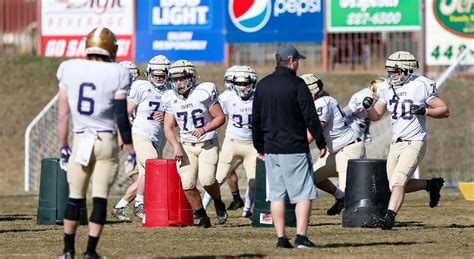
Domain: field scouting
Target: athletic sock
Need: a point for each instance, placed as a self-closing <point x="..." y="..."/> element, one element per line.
<point x="391" y="214"/>
<point x="122" y="203"/>
<point x="139" y="199"/>
<point x="201" y="213"/>
<point x="236" y="196"/>
<point x="92" y="244"/>
<point x="69" y="242"/>
<point x="218" y="203"/>
<point x="338" y="194"/>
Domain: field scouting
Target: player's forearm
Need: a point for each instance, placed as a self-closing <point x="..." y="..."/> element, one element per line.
<point x="438" y="112"/>
<point x="170" y="136"/>
<point x="63" y="130"/>
<point x="373" y="115"/>
<point x="215" y="123"/>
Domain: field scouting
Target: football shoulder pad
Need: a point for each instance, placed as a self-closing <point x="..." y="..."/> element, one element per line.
<point x="205" y="91"/>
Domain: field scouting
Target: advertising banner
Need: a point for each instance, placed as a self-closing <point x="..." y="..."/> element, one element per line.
<point x="180" y="29"/>
<point x="449" y="31"/>
<point x="375" y="15"/>
<point x="267" y="21"/>
<point x="64" y="24"/>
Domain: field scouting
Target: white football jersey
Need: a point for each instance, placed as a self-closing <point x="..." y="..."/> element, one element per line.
<point x="358" y="120"/>
<point x="337" y="131"/>
<point x="239" y="112"/>
<point x="148" y="99"/>
<point x="193" y="112"/>
<point x="419" y="90"/>
<point x="91" y="86"/>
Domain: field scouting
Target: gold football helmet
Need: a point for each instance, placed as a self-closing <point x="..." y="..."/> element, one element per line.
<point x="400" y="66"/>
<point x="314" y="83"/>
<point x="102" y="41"/>
<point x="374" y="86"/>
<point x="182" y="75"/>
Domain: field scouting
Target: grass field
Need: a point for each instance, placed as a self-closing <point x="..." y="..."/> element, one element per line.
<point x="445" y="231"/>
<point x="28" y="83"/>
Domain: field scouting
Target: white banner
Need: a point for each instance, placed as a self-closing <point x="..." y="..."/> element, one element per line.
<point x="442" y="45"/>
<point x="79" y="17"/>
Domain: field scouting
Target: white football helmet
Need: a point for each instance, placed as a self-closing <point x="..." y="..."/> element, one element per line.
<point x="403" y="63"/>
<point x="157" y="71"/>
<point x="244" y="81"/>
<point x="314" y="83"/>
<point x="182" y="75"/>
<point x="228" y="76"/>
<point x="101" y="41"/>
<point x="132" y="67"/>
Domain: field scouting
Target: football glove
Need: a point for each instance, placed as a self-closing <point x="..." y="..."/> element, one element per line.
<point x="417" y="110"/>
<point x="368" y="102"/>
<point x="64" y="154"/>
<point x="131" y="163"/>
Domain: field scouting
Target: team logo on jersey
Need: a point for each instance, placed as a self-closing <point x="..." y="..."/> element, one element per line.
<point x="250" y="15"/>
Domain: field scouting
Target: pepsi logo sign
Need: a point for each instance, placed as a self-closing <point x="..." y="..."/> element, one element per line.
<point x="250" y="15"/>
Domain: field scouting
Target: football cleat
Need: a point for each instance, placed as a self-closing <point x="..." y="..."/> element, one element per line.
<point x="247" y="214"/>
<point x="91" y="256"/>
<point x="221" y="215"/>
<point x="336" y="208"/>
<point x="435" y="185"/>
<point x="234" y="205"/>
<point x="67" y="255"/>
<point x="120" y="214"/>
<point x="138" y="211"/>
<point x="204" y="222"/>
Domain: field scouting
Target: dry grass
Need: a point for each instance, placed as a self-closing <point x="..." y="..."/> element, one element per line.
<point x="445" y="231"/>
<point x="28" y="83"/>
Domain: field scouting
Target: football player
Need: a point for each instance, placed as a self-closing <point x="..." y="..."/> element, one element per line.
<point x="232" y="178"/>
<point x="238" y="147"/>
<point x="196" y="110"/>
<point x="144" y="101"/>
<point x="356" y="114"/>
<point x="93" y="93"/>
<point x="410" y="99"/>
<point x="342" y="141"/>
<point x="119" y="210"/>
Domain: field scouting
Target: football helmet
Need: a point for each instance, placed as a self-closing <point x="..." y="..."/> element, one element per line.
<point x="101" y="41"/>
<point x="182" y="74"/>
<point x="400" y="66"/>
<point x="314" y="83"/>
<point x="132" y="67"/>
<point x="228" y="76"/>
<point x="157" y="71"/>
<point x="243" y="81"/>
<point x="374" y="86"/>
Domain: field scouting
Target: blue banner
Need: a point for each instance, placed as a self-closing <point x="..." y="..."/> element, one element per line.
<point x="180" y="29"/>
<point x="267" y="21"/>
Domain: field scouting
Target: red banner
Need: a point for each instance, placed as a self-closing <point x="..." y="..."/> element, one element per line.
<point x="73" y="46"/>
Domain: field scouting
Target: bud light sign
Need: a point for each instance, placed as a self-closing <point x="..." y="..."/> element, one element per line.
<point x="180" y="29"/>
<point x="264" y="21"/>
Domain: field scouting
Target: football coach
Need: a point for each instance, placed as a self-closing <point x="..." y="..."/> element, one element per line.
<point x="283" y="111"/>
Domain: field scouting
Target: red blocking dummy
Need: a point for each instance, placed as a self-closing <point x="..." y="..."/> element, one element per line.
<point x="165" y="202"/>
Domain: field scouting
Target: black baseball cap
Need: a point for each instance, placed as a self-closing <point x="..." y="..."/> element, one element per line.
<point x="286" y="52"/>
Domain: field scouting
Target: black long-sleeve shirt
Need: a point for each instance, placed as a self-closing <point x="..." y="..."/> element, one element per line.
<point x="282" y="111"/>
